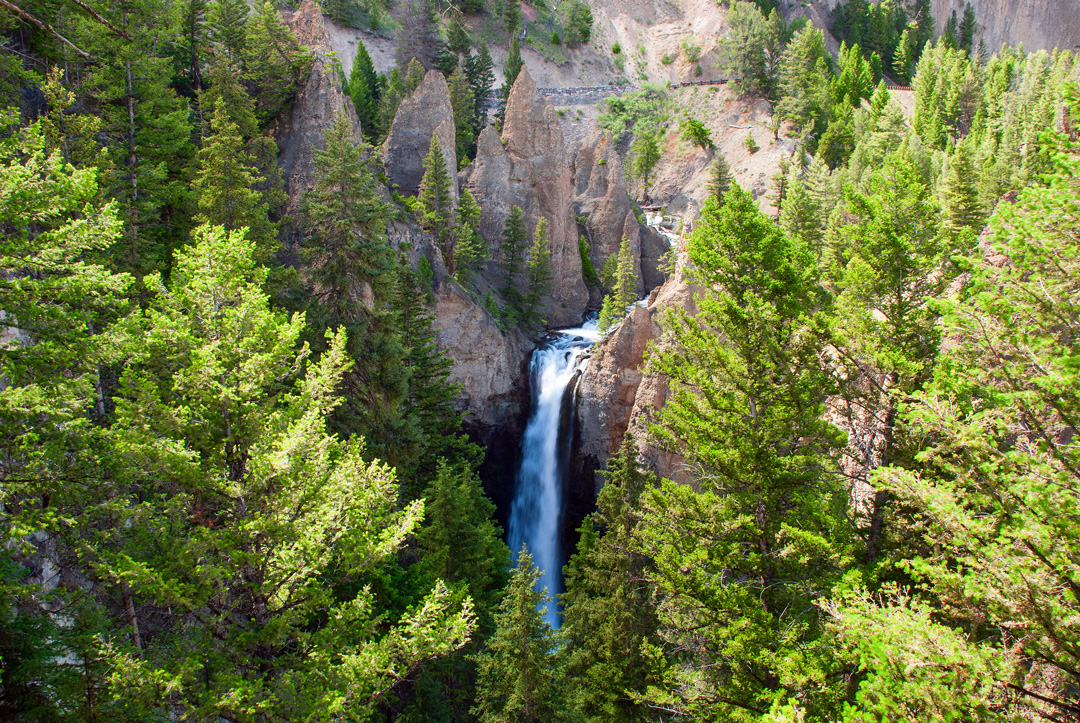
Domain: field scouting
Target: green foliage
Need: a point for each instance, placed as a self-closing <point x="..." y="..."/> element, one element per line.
<point x="805" y="82"/>
<point x="750" y="144"/>
<point x="471" y="249"/>
<point x="646" y="108"/>
<point x="720" y="178"/>
<point x="237" y="436"/>
<point x="389" y="99"/>
<point x="579" y="21"/>
<point x="608" y="618"/>
<point x="646" y="150"/>
<point x="227" y="183"/>
<point x="765" y="515"/>
<point x="513" y="249"/>
<point x="588" y="270"/>
<point x="437" y="202"/>
<point x="417" y="36"/>
<point x="623" y="288"/>
<point x="751" y="51"/>
<point x="695" y="132"/>
<point x="538" y="277"/>
<point x="365" y="91"/>
<point x="275" y="64"/>
<point x="516" y="677"/>
<point x="479" y="70"/>
<point x="463" y="104"/>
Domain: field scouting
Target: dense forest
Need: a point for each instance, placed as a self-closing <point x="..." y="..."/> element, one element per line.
<point x="235" y="485"/>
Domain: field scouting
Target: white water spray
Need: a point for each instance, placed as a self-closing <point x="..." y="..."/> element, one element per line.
<point x="536" y="513"/>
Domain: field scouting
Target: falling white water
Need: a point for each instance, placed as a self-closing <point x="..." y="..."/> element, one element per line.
<point x="536" y="513"/>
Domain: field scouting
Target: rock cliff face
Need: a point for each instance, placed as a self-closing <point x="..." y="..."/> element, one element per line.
<point x="617" y="396"/>
<point x="601" y="195"/>
<point x="1038" y="24"/>
<point x="426" y="111"/>
<point x="528" y="167"/>
<point x="300" y="132"/>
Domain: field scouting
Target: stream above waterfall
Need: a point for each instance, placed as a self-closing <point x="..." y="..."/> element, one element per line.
<point x="536" y="513"/>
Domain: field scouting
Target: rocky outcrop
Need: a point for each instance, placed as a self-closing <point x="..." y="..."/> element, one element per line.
<point x="1044" y="24"/>
<point x="601" y="197"/>
<point x="618" y="396"/>
<point x="528" y="167"/>
<point x="425" y="112"/>
<point x="300" y="132"/>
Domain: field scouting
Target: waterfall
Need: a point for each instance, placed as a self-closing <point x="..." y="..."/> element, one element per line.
<point x="536" y="512"/>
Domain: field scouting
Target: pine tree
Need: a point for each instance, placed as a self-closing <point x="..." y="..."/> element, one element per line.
<point x="480" y="71"/>
<point x="746" y="404"/>
<point x="904" y="59"/>
<point x="800" y="217"/>
<point x="414" y="75"/>
<point x="514" y="239"/>
<point x="472" y="250"/>
<point x="147" y="130"/>
<point x="437" y="202"/>
<point x="457" y="34"/>
<point x="226" y="183"/>
<point x="461" y="100"/>
<point x="364" y="91"/>
<point x="275" y="506"/>
<point x="885" y="316"/>
<point x="516" y="674"/>
<point x="389" y="100"/>
<point x="275" y="64"/>
<point x="624" y="290"/>
<point x="223" y="83"/>
<point x="646" y="150"/>
<point x="964" y="215"/>
<point x="608" y="615"/>
<point x="194" y="43"/>
<point x="538" y="277"/>
<point x="720" y="178"/>
<point x="511" y="68"/>
<point x="511" y="17"/>
<point x="804" y="80"/>
<point x="226" y="20"/>
<point x="579" y="22"/>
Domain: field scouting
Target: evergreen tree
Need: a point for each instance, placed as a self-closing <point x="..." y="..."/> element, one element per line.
<point x="364" y="91"/>
<point x="804" y="80"/>
<point x="274" y="508"/>
<point x="461" y="100"/>
<point x="514" y="240"/>
<point x="480" y="71"/>
<point x="538" y="277"/>
<point x="964" y="215"/>
<point x="437" y="202"/>
<point x="695" y="132"/>
<point x="949" y="36"/>
<point x="194" y="42"/>
<point x="511" y="17"/>
<point x="646" y="150"/>
<point x="511" y="68"/>
<point x="389" y="100"/>
<point x="904" y="59"/>
<point x="579" y="22"/>
<point x="147" y="130"/>
<point x="720" y="178"/>
<point x="223" y="83"/>
<point x="800" y="217"/>
<point x="471" y="251"/>
<point x="226" y="20"/>
<point x="517" y="680"/>
<point x="752" y="49"/>
<point x="608" y="616"/>
<point x="966" y="30"/>
<point x="275" y="64"/>
<point x="414" y="75"/>
<point x="457" y="34"/>
<point x="885" y="317"/>
<point x="994" y="463"/>
<point x="226" y="184"/>
<point x="747" y="403"/>
<point x="624" y="289"/>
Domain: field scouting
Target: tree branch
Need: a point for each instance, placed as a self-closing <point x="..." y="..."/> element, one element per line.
<point x="44" y="26"/>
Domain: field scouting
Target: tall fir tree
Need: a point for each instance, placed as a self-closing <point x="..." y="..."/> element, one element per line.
<point x="480" y="71"/>
<point x="461" y="100"/>
<point x="517" y="680"/>
<point x="364" y="91"/>
<point x="275" y="64"/>
<point x="764" y="509"/>
<point x="439" y="216"/>
<point x="538" y="277"/>
<point x="227" y="20"/>
<point x="623" y="290"/>
<point x="609" y="621"/>
<point x="514" y="247"/>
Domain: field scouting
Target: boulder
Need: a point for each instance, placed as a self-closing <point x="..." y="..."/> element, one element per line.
<point x="425" y="112"/>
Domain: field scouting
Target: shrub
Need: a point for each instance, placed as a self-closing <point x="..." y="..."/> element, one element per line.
<point x="667" y="59"/>
<point x="616" y="49"/>
<point x="750" y="143"/>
